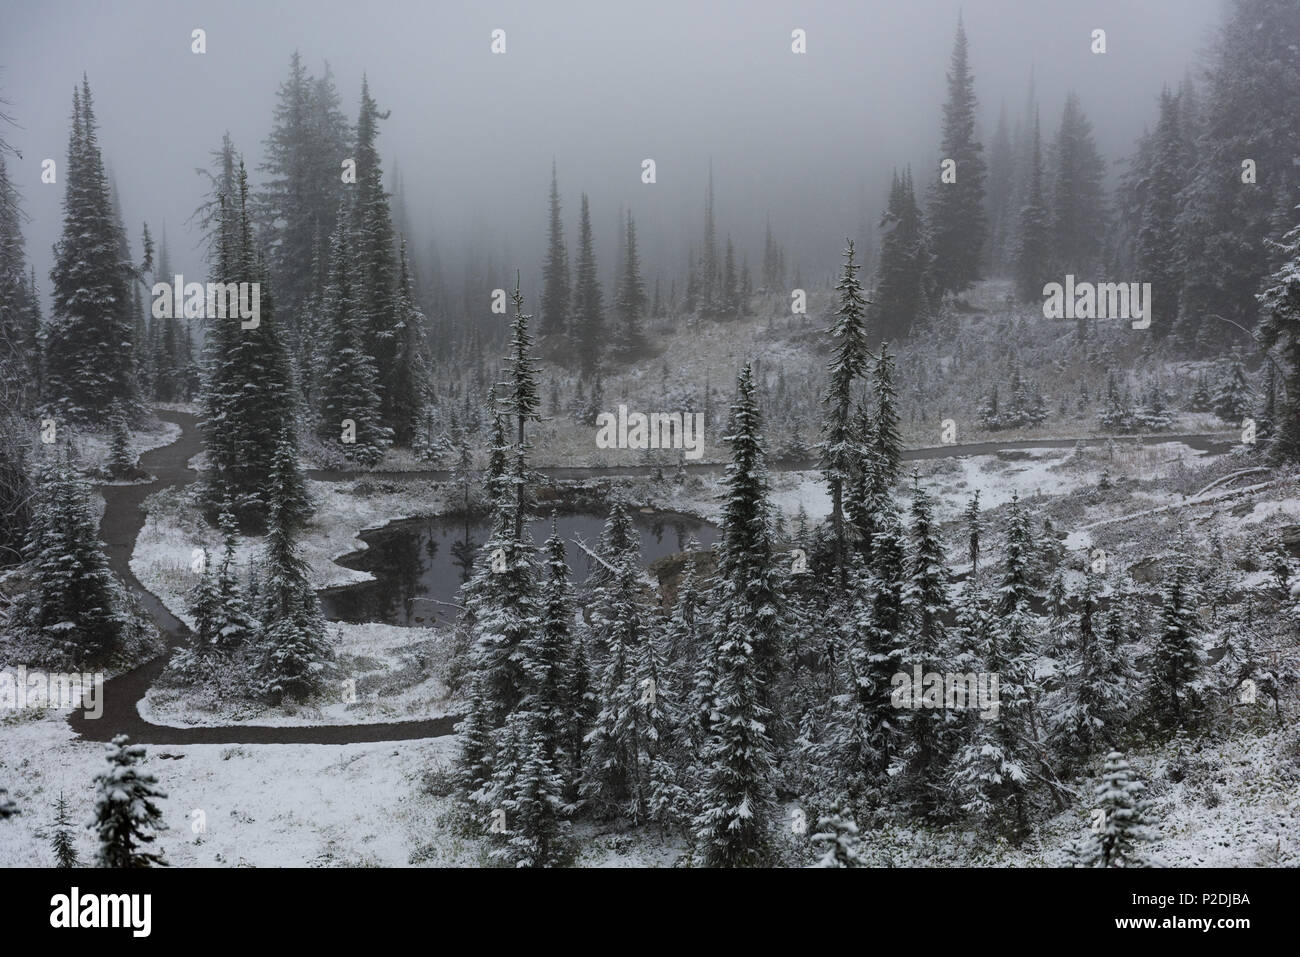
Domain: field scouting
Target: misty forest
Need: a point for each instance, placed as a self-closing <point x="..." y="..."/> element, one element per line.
<point x="559" y="437"/>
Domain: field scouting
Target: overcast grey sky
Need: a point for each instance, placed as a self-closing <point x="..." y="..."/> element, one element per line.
<point x="598" y="85"/>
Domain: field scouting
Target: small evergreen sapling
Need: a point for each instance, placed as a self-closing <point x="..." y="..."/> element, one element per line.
<point x="1121" y="821"/>
<point x="126" y="818"/>
<point x="837" y="838"/>
<point x="60" y="835"/>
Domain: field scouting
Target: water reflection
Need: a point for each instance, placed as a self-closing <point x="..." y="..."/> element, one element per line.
<point x="420" y="565"/>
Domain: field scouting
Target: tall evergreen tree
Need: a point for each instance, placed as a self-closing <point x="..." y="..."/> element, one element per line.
<point x="957" y="221"/>
<point x="89" y="356"/>
<point x="886" y="442"/>
<point x="1078" y="194"/>
<point x="1001" y="194"/>
<point x="19" y="309"/>
<point x="1033" y="244"/>
<point x="350" y="415"/>
<point x="1095" y="685"/>
<point x="529" y="795"/>
<point x="990" y="776"/>
<point x="1177" y="658"/>
<point x="1233" y="398"/>
<point x="524" y="403"/>
<point x="1159" y="248"/>
<point x="409" y="387"/>
<point x="733" y="826"/>
<point x="1224" y="221"/>
<point x="900" y="294"/>
<point x="975" y="530"/>
<point x="373" y="249"/>
<point x="620" y="744"/>
<point x="303" y="187"/>
<point x="929" y="730"/>
<point x="296" y="656"/>
<point x="249" y="398"/>
<point x="587" y="327"/>
<point x="869" y="736"/>
<point x="849" y="337"/>
<point x="1017" y="588"/>
<point x="1281" y="327"/>
<point x="559" y="691"/>
<point x="555" y="274"/>
<point x="631" y="299"/>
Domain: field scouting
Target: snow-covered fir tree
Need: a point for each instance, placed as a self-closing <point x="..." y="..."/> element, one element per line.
<point x="1233" y="398"/>
<point x="1095" y="685"/>
<point x="555" y="276"/>
<point x="1121" y="821"/>
<point x="20" y="314"/>
<point x="733" y="826"/>
<point x="73" y="608"/>
<point x="1033" y="246"/>
<point x="126" y="818"/>
<point x="249" y="398"/>
<point x="296" y="657"/>
<point x="956" y="219"/>
<point x="121" y="457"/>
<point x="927" y="644"/>
<point x="527" y="795"/>
<point x="60" y="835"/>
<point x="620" y="744"/>
<point x="224" y="627"/>
<point x="630" y="299"/>
<point x="1177" y="657"/>
<point x="838" y="449"/>
<point x="89" y="342"/>
<point x="838" y="841"/>
<point x="990" y="777"/>
<point x="587" y="319"/>
<point x="1019" y="562"/>
<point x="1281" y="328"/>
<point x="350" y="416"/>
<point x="886" y="442"/>
<point x="899" y="297"/>
<point x="557" y="699"/>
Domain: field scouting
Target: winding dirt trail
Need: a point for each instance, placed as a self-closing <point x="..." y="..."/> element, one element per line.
<point x="124" y="518"/>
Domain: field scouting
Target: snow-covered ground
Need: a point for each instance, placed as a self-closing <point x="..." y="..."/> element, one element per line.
<point x="93" y="447"/>
<point x="1236" y="803"/>
<point x="261" y="805"/>
<point x="392" y="672"/>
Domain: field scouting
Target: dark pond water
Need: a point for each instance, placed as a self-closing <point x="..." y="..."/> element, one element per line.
<point x="422" y="563"/>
